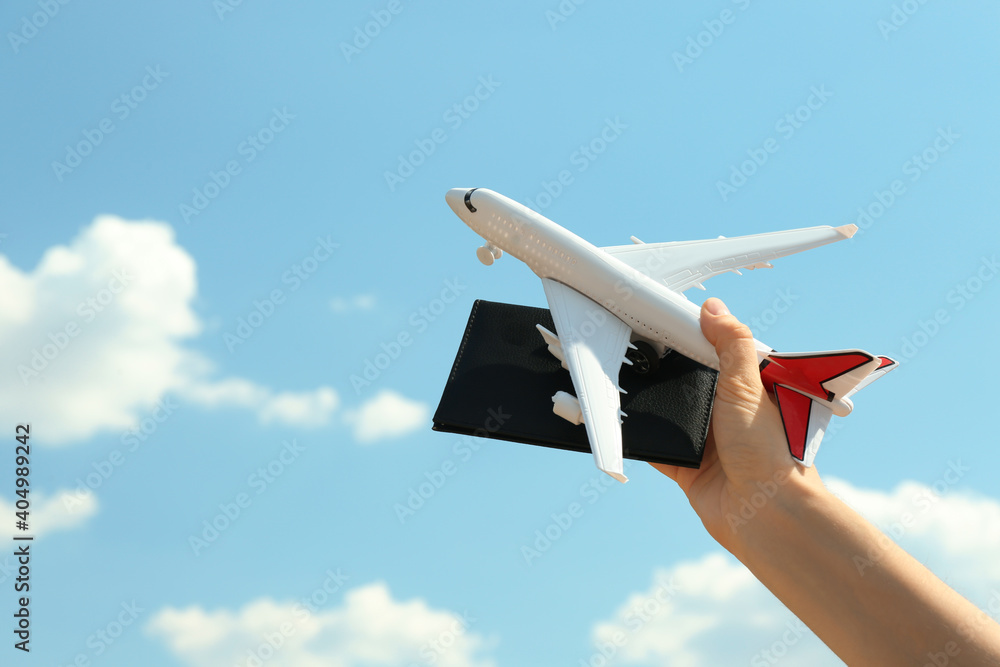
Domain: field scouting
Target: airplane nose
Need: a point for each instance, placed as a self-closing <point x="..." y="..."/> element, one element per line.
<point x="456" y="200"/>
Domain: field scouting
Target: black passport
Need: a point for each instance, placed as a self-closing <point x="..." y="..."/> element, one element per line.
<point x="503" y="379"/>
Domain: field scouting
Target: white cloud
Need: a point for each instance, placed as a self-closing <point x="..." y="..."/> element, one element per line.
<point x="712" y="611"/>
<point x="95" y="335"/>
<point x="955" y="533"/>
<point x="341" y="304"/>
<point x="49" y="514"/>
<point x="370" y="628"/>
<point x="691" y="607"/>
<point x="310" y="408"/>
<point x="305" y="408"/>
<point x="387" y="415"/>
<point x="92" y="335"/>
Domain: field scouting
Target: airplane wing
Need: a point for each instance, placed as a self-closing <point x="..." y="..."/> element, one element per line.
<point x="593" y="344"/>
<point x="686" y="264"/>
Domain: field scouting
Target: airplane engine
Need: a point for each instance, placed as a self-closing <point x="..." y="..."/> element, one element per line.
<point x="644" y="357"/>
<point x="488" y="253"/>
<point x="567" y="406"/>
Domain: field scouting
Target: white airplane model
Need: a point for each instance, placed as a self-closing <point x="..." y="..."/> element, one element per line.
<point x="641" y="287"/>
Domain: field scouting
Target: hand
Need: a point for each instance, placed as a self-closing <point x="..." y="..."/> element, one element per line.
<point x="802" y="543"/>
<point x="746" y="452"/>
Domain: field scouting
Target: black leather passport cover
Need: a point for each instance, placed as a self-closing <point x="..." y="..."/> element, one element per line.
<point x="503" y="379"/>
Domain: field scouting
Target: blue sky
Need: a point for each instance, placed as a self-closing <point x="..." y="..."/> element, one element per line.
<point x="172" y="171"/>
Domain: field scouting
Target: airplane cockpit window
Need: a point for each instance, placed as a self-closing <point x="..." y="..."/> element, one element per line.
<point x="468" y="200"/>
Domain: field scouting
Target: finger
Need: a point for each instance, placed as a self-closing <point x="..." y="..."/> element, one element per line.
<point x="739" y="373"/>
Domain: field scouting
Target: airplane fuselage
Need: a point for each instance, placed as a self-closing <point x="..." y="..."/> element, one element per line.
<point x="648" y="307"/>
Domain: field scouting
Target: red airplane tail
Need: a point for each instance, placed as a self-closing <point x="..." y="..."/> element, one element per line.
<point x="810" y="387"/>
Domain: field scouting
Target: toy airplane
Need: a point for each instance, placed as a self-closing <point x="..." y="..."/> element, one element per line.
<point x="625" y="304"/>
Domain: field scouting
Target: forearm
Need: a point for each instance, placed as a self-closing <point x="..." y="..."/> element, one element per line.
<point x="866" y="598"/>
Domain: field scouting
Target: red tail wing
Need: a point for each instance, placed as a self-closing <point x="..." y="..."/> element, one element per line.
<point x="794" y="408"/>
<point x="808" y="373"/>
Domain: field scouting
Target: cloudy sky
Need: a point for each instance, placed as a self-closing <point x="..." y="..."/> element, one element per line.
<point x="231" y="292"/>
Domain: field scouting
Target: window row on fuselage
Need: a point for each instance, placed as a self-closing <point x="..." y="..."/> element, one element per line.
<point x="543" y="247"/>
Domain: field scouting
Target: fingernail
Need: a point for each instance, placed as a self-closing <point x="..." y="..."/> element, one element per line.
<point x="716" y="307"/>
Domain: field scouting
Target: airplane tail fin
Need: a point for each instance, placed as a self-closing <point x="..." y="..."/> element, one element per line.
<point x="805" y="422"/>
<point x="886" y="364"/>
<point x="811" y="387"/>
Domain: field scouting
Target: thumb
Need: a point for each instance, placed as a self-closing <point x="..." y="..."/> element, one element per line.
<point x="739" y="373"/>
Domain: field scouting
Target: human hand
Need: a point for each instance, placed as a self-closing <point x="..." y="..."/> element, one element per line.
<point x="746" y="454"/>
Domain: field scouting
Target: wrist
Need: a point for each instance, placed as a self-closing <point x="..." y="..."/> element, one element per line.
<point x="766" y="509"/>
